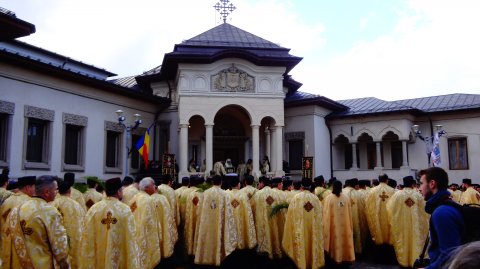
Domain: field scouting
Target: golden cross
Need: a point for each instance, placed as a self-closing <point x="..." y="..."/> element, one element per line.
<point x="109" y="220"/>
<point x="383" y="196"/>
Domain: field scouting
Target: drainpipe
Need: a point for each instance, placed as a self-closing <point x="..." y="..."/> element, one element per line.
<point x="331" y="152"/>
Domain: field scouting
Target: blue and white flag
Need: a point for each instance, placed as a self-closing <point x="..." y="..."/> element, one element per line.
<point x="435" y="155"/>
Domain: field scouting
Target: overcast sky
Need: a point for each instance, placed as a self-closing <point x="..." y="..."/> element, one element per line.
<point x="389" y="49"/>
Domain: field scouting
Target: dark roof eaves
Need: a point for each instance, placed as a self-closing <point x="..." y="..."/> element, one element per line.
<point x="77" y="77"/>
<point x="54" y="54"/>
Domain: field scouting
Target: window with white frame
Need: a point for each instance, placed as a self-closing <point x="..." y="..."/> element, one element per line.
<point x="6" y="110"/>
<point x="37" y="139"/>
<point x="113" y="149"/>
<point x="74" y="142"/>
<point x="458" y="153"/>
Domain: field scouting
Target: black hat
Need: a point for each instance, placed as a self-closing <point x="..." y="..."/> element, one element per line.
<point x="3" y="179"/>
<point x="287" y="181"/>
<point x="276" y="180"/>
<point x="320" y="179"/>
<point x="454" y="185"/>
<point x="112" y="185"/>
<point x="306" y="182"/>
<point x="408" y="181"/>
<point x="127" y="181"/>
<point x="467" y="181"/>
<point x="25" y="181"/>
<point x="353" y="182"/>
<point x="12" y="184"/>
<point x="234" y="180"/>
<point x="69" y="178"/>
<point x="63" y="186"/>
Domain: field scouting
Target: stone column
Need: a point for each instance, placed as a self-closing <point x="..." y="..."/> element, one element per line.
<point x="255" y="150"/>
<point x="267" y="143"/>
<point x="273" y="151"/>
<point x="209" y="147"/>
<point x="183" y="148"/>
<point x="379" y="156"/>
<point x="404" y="154"/>
<point x="279" y="153"/>
<point x="354" y="157"/>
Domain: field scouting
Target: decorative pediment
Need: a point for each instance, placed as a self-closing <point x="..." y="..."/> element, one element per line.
<point x="233" y="79"/>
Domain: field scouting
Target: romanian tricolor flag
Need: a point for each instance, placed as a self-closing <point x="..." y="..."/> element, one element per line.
<point x="142" y="146"/>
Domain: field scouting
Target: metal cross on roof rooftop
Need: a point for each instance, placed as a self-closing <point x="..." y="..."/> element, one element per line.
<point x="225" y="8"/>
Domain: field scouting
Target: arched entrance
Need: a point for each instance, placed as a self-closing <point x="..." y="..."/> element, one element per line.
<point x="231" y="134"/>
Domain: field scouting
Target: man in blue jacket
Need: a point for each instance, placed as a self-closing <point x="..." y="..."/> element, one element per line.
<point x="446" y="223"/>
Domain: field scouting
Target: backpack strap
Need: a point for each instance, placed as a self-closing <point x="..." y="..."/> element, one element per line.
<point x="459" y="207"/>
<point x="427" y="241"/>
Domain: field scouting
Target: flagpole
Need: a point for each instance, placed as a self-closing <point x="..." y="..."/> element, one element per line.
<point x="128" y="130"/>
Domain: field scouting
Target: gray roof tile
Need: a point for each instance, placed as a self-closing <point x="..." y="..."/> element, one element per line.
<point x="227" y="35"/>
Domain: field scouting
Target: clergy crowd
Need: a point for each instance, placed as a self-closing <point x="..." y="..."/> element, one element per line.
<point x="46" y="223"/>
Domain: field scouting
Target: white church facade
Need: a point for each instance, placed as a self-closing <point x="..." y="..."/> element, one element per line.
<point x="225" y="93"/>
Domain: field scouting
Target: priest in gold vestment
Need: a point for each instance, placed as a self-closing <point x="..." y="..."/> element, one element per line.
<point x="167" y="223"/>
<point x="180" y="198"/>
<point x="302" y="242"/>
<point x="130" y="190"/>
<point x="166" y="189"/>
<point x="354" y="197"/>
<point x="243" y="216"/>
<point x="109" y="240"/>
<point x="4" y="193"/>
<point x="470" y="195"/>
<point x="192" y="216"/>
<point x="217" y="234"/>
<point x="248" y="189"/>
<point x="73" y="215"/>
<point x="376" y="210"/>
<point x="36" y="233"/>
<point x="269" y="232"/>
<point x="456" y="194"/>
<point x="338" y="226"/>
<point x="74" y="193"/>
<point x="409" y="222"/>
<point x="148" y="227"/>
<point x="26" y="187"/>
<point x="91" y="196"/>
<point x="320" y="190"/>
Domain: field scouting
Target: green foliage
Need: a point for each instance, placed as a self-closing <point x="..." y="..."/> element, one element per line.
<point x="82" y="187"/>
<point x="278" y="208"/>
<point x="96" y="179"/>
<point x="203" y="187"/>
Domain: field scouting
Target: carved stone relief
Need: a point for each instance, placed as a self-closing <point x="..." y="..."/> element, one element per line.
<point x="39" y="113"/>
<point x="7" y="107"/>
<point x="113" y="126"/>
<point x="233" y="79"/>
<point x="75" y="119"/>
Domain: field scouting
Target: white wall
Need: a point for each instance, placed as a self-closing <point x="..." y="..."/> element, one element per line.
<point x="23" y="87"/>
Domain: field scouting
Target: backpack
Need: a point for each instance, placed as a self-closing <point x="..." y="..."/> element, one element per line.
<point x="471" y="218"/>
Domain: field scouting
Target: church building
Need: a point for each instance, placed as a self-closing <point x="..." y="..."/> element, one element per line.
<point x="225" y="93"/>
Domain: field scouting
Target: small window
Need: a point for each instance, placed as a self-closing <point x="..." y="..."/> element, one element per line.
<point x="458" y="153"/>
<point x="73" y="147"/>
<point x="3" y="139"/>
<point x="112" y="159"/>
<point x="37" y="137"/>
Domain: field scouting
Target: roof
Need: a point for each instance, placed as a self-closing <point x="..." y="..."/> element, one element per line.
<point x="298" y="98"/>
<point x="12" y="27"/>
<point x="456" y="101"/>
<point x="227" y="35"/>
<point x="48" y="57"/>
<point x="29" y="60"/>
<point x="432" y="104"/>
<point x="223" y="41"/>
